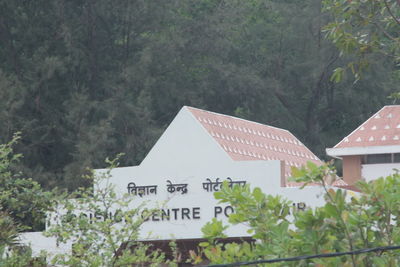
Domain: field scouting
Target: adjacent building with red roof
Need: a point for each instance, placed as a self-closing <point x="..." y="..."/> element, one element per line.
<point x="373" y="149"/>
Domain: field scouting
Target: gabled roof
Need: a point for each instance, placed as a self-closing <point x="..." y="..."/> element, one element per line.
<point x="379" y="134"/>
<point x="247" y="140"/>
<point x="382" y="129"/>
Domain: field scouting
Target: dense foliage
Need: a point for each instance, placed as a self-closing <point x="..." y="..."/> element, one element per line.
<point x="344" y="223"/>
<point x="108" y="239"/>
<point x="23" y="205"/>
<point x="83" y="80"/>
<point x="22" y="200"/>
<point x="102" y="226"/>
<point x="365" y="29"/>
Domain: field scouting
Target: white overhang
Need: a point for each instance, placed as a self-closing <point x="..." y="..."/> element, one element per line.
<point x="349" y="151"/>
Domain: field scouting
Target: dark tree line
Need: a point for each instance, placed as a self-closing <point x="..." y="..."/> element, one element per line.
<point x="83" y="80"/>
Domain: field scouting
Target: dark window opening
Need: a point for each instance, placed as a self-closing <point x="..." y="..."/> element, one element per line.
<point x="381" y="158"/>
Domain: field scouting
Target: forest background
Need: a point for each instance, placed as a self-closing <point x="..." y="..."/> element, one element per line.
<point x="83" y="80"/>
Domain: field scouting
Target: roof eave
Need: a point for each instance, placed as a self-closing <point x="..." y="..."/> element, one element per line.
<point x="351" y="151"/>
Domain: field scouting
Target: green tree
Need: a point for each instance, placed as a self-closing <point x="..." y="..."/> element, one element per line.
<point x="343" y="223"/>
<point x="86" y="79"/>
<point x="364" y="29"/>
<point x="102" y="227"/>
<point x="23" y="206"/>
<point x="23" y="199"/>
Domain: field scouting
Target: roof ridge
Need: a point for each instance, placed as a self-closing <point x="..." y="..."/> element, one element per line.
<point x="229" y="116"/>
<point x="196" y="112"/>
<point x="249" y="121"/>
<point x="347" y="136"/>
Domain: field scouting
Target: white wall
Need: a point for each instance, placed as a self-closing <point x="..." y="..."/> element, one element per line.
<point x="263" y="174"/>
<point x="373" y="171"/>
<point x="39" y="242"/>
<point x="184" y="145"/>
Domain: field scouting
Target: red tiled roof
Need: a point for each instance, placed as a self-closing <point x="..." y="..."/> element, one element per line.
<point x="382" y="129"/>
<point x="247" y="140"/>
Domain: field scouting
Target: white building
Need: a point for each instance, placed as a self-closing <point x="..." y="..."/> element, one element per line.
<point x="198" y="151"/>
<point x="373" y="149"/>
<point x="200" y="147"/>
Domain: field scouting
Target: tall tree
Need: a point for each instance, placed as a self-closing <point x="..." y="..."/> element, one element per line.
<point x="362" y="29"/>
<point x="84" y="80"/>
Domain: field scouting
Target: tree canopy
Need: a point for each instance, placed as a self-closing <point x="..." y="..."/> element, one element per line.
<point x="365" y="30"/>
<point x="83" y="80"/>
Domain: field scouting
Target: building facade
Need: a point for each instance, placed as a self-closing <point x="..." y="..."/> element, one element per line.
<point x="373" y="149"/>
